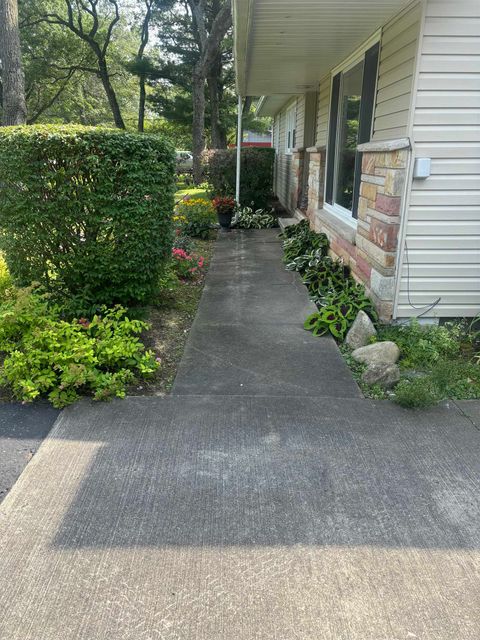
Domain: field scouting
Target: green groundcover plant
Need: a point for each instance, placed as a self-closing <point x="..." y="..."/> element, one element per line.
<point x="86" y="212"/>
<point x="338" y="297"/>
<point x="437" y="362"/>
<point x="48" y="356"/>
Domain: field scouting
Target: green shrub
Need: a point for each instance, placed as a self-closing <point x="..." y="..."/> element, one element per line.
<point x="338" y="309"/>
<point x="48" y="356"/>
<point x="256" y="174"/>
<point x="423" y="345"/>
<point x="195" y="217"/>
<point x="247" y="218"/>
<point x="5" y="278"/>
<point x="416" y="394"/>
<point x="86" y="211"/>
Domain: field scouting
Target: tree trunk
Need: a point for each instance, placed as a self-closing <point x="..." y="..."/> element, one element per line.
<point x="13" y="81"/>
<point x="141" y="104"/>
<point x="198" y="124"/>
<point x="219" y="135"/>
<point x="111" y="96"/>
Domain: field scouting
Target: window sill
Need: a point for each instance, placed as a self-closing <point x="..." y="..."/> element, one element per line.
<point x="344" y="225"/>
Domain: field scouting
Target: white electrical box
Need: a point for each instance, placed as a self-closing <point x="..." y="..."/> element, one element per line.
<point x="422" y="168"/>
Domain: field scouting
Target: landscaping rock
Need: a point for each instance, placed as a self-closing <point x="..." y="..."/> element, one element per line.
<point x="360" y="332"/>
<point x="385" y="375"/>
<point x="377" y="353"/>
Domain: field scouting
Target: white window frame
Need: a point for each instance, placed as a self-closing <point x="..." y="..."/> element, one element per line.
<point x="353" y="59"/>
<point x="290" y="125"/>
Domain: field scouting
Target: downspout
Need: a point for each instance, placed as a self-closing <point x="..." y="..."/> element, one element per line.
<point x="239" y="148"/>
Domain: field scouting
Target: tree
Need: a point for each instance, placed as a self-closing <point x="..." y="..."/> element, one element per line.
<point x="209" y="43"/>
<point x="93" y="22"/>
<point x="13" y="84"/>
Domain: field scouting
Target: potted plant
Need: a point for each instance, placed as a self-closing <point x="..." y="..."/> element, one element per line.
<point x="225" y="208"/>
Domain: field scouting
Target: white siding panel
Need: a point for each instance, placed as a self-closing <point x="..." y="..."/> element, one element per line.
<point x="453" y="116"/>
<point x="435" y="26"/>
<point x="433" y="215"/>
<point x="448" y="150"/>
<point x="448" y="81"/>
<point x="445" y="100"/>
<point x="443" y="229"/>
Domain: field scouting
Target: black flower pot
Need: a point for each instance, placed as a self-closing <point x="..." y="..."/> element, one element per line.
<point x="225" y="219"/>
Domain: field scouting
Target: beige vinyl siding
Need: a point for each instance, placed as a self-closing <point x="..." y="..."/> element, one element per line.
<point x="395" y="74"/>
<point x="323" y="111"/>
<point x="300" y="121"/>
<point x="283" y="161"/>
<point x="443" y="228"/>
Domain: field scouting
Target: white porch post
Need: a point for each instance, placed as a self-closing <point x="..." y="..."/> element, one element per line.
<point x="239" y="148"/>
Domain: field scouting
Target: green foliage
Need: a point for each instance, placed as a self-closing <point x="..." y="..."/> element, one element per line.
<point x="299" y="240"/>
<point x="416" y="394"/>
<point x="182" y="241"/>
<point x="434" y="365"/>
<point x="247" y="218"/>
<point x="5" y="278"/>
<point x="195" y="217"/>
<point x="338" y="297"/>
<point x="187" y="266"/>
<point x="256" y="172"/>
<point x="94" y="209"/>
<point x="48" y="356"/>
<point x="338" y="309"/>
<point x="423" y="345"/>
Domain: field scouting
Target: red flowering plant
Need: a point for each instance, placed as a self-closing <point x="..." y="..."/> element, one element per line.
<point x="224" y="204"/>
<point x="187" y="266"/>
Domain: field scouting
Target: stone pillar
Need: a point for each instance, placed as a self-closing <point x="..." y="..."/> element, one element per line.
<point x="316" y="180"/>
<point x="382" y="188"/>
<point x="298" y="156"/>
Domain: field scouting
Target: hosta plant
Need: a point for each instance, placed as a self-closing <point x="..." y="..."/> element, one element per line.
<point x="247" y="218"/>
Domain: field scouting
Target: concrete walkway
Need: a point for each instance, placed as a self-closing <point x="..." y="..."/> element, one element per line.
<point x="232" y="513"/>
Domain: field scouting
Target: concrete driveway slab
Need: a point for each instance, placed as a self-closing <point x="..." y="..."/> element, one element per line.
<point x="220" y="517"/>
<point x="237" y="359"/>
<point x="22" y="429"/>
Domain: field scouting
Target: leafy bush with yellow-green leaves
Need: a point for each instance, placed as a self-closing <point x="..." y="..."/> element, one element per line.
<point x="48" y="356"/>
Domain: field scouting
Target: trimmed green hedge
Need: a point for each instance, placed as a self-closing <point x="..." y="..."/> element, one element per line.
<point x="256" y="174"/>
<point x="86" y="211"/>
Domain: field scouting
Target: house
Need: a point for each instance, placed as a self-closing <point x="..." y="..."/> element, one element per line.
<point x="376" y="126"/>
<point x="255" y="139"/>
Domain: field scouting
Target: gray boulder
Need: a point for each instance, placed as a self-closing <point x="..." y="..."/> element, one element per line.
<point x="360" y="332"/>
<point x="377" y="353"/>
<point x="385" y="375"/>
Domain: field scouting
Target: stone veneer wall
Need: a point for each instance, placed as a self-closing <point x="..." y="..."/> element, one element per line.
<point x="371" y="249"/>
<point x="298" y="158"/>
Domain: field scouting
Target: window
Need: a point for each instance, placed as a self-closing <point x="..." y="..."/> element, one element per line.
<point x="290" y="128"/>
<point x="351" y="112"/>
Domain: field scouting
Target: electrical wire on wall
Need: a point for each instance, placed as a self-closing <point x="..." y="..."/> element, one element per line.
<point x="427" y="307"/>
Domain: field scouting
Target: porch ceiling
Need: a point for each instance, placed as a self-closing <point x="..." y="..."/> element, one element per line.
<point x="286" y="47"/>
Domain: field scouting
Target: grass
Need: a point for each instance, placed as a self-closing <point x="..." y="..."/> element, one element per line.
<point x="436" y="363"/>
<point x="184" y="189"/>
<point x="171" y="319"/>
